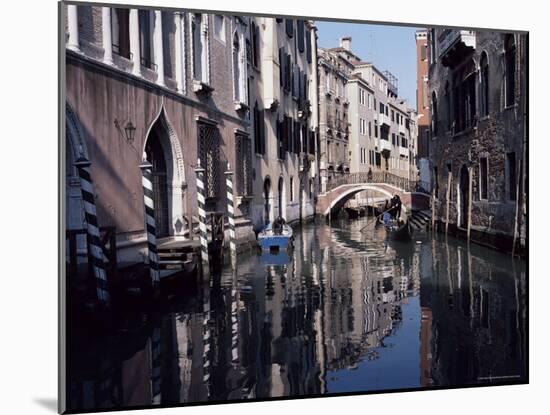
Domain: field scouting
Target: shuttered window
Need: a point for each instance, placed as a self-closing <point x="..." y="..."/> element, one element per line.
<point x="289" y="27"/>
<point x="300" y="35"/>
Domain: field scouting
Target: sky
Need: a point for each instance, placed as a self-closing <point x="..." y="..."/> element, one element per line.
<point x="391" y="48"/>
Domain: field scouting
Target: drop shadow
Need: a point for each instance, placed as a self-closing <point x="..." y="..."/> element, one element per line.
<point x="48" y="403"/>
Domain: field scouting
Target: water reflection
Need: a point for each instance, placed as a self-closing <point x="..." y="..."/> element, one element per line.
<point x="348" y="311"/>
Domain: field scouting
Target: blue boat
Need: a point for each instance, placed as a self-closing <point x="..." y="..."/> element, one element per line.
<point x="270" y="241"/>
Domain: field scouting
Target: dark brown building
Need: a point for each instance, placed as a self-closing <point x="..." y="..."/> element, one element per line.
<point x="478" y="133"/>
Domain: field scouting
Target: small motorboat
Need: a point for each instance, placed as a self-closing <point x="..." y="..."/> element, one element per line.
<point x="276" y="238"/>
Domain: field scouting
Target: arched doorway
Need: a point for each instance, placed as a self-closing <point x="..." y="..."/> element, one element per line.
<point x="464" y="191"/>
<point x="267" y="200"/>
<point x="163" y="150"/>
<point x="155" y="154"/>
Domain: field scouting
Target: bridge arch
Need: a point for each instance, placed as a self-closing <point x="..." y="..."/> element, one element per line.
<point x="350" y="191"/>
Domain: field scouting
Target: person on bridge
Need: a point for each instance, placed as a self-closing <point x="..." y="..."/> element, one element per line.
<point x="369" y="175"/>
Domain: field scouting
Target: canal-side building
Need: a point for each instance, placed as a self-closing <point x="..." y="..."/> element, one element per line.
<point x="284" y="120"/>
<point x="179" y="88"/>
<point x="333" y="72"/>
<point x="423" y="109"/>
<point x="477" y="83"/>
<point x="378" y="127"/>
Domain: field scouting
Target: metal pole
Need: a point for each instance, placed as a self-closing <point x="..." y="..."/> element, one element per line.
<point x="202" y="219"/>
<point x="150" y="224"/>
<point x="95" y="253"/>
<point x="231" y="215"/>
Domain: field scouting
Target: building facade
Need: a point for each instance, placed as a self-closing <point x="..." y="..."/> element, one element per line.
<point x="423" y="108"/>
<point x="365" y="127"/>
<point x="478" y="133"/>
<point x="333" y="114"/>
<point x="284" y="121"/>
<point x="179" y="89"/>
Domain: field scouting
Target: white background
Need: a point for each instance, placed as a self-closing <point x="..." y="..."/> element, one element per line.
<point x="28" y="227"/>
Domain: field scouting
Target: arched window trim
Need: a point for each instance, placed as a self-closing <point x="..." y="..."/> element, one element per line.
<point x="510" y="65"/>
<point x="484" y="84"/>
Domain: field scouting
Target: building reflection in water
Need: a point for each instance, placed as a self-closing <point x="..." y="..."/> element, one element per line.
<point x="348" y="311"/>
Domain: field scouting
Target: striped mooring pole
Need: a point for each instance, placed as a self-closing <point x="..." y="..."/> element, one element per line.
<point x="231" y="215"/>
<point x="95" y="253"/>
<point x="202" y="219"/>
<point x="150" y="224"/>
<point x="206" y="341"/>
<point x="155" y="366"/>
<point x="235" y="320"/>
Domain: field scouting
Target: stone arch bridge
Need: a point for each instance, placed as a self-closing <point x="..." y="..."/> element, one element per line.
<point x="385" y="184"/>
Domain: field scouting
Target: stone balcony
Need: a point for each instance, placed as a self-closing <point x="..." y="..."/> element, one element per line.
<point x="384" y="119"/>
<point x="385" y="145"/>
<point x="455" y="45"/>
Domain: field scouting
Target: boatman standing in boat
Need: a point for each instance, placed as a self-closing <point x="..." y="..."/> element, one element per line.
<point x="397" y="206"/>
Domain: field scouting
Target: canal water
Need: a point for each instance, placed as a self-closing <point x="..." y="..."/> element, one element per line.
<point x="347" y="311"/>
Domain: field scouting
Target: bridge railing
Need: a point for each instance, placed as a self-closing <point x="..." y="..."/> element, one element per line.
<point x="376" y="177"/>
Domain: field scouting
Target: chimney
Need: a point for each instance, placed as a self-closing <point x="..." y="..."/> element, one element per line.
<point x="345" y="43"/>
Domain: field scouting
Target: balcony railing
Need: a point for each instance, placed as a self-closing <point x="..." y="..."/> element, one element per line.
<point x="374" y="177"/>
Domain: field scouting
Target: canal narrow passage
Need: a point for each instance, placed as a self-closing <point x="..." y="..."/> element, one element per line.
<point x="347" y="311"/>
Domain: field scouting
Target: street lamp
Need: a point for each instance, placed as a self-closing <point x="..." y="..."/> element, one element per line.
<point x="129" y="130"/>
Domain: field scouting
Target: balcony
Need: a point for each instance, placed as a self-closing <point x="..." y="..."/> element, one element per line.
<point x="455" y="45"/>
<point x="401" y="129"/>
<point x="384" y="119"/>
<point x="385" y="145"/>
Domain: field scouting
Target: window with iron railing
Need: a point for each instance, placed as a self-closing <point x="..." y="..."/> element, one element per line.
<point x="243" y="165"/>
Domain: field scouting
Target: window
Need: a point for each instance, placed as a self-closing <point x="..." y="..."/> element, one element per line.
<point x="259" y="130"/>
<point x="393" y="116"/>
<point x="393" y="138"/>
<point x="370" y="129"/>
<point x="199" y="44"/>
<point x="511" y="173"/>
<point x="448" y="105"/>
<point x="219" y="27"/>
<point x="238" y="70"/>
<point x="121" y="32"/>
<point x="300" y="35"/>
<point x="255" y="37"/>
<point x="484" y="86"/>
<point x="464" y="98"/>
<point x="369" y="100"/>
<point x="289" y="27"/>
<point x="209" y="154"/>
<point x="381" y="108"/>
<point x="243" y="165"/>
<point x="291" y="189"/>
<point x="145" y="38"/>
<point x="423" y="52"/>
<point x="376" y="129"/>
<point x="510" y="58"/>
<point x="435" y="121"/>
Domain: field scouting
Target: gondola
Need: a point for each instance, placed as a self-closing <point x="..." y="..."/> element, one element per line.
<point x="398" y="229"/>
